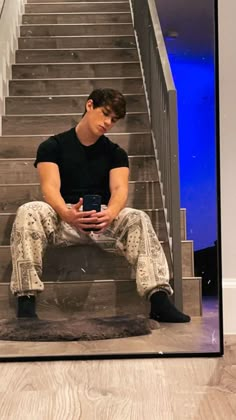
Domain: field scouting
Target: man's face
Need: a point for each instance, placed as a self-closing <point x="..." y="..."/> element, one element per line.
<point x="101" y="119"/>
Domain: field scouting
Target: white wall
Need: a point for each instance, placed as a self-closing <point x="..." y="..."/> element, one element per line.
<point x="9" y="31"/>
<point x="227" y="79"/>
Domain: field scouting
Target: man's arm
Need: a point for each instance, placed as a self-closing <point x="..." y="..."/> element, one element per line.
<point x="119" y="183"/>
<point x="119" y="187"/>
<point x="50" y="185"/>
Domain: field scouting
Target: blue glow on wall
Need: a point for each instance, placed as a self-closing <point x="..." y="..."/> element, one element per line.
<point x="195" y="83"/>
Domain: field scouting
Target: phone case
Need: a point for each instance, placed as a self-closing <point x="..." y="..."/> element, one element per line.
<point x="92" y="202"/>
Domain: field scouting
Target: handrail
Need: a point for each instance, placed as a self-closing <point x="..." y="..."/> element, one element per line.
<point x="161" y="45"/>
<point x="162" y="105"/>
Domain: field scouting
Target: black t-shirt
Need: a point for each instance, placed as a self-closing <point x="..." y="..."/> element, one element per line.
<point x="83" y="169"/>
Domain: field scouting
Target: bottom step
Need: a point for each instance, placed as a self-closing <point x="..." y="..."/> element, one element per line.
<point x="97" y="298"/>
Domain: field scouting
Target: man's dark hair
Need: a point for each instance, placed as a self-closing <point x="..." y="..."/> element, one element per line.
<point x="109" y="98"/>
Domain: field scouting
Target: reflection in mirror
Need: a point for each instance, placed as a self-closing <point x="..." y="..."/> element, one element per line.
<point x="109" y="293"/>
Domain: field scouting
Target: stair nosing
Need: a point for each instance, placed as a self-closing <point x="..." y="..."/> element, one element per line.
<point x="61" y="96"/>
<point x="74" y="36"/>
<point x="25" y="25"/>
<point x="38" y="184"/>
<point x="51" y="134"/>
<point x="33" y="158"/>
<point x="64" y="114"/>
<point x="8" y="246"/>
<point x="22" y="184"/>
<point x="144" y="209"/>
<point x="72" y="2"/>
<point x="77" y="49"/>
<point x="78" y="63"/>
<point x="77" y="79"/>
<point x="73" y="13"/>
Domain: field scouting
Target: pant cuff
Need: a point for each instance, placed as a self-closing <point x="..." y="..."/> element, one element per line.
<point x="158" y="289"/>
<point x="27" y="293"/>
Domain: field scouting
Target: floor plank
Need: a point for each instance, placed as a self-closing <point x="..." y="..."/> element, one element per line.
<point x="165" y="389"/>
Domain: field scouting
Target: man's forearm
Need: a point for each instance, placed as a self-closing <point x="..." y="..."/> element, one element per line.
<point x="118" y="200"/>
<point x="53" y="197"/>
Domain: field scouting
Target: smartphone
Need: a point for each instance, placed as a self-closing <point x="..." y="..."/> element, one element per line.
<point x="92" y="202"/>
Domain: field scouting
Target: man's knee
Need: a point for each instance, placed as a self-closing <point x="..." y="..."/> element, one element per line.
<point x="135" y="213"/>
<point x="32" y="207"/>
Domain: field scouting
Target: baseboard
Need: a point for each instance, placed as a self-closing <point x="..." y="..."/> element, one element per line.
<point x="229" y="306"/>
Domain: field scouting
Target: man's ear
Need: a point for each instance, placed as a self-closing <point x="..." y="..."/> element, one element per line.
<point x="89" y="105"/>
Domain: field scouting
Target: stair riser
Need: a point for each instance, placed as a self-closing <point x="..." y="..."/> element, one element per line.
<point x="25" y="147"/>
<point x="77" y="7"/>
<point x="15" y="125"/>
<point x="124" y="17"/>
<point x="58" y="105"/>
<point x="142" y="195"/>
<point x="23" y="171"/>
<point x="72" y="87"/>
<point x="192" y="296"/>
<point x="86" y="299"/>
<point x="187" y="259"/>
<point x="77" y="42"/>
<point x="97" y="299"/>
<point x="76" y="263"/>
<point x="183" y="230"/>
<point x="6" y="221"/>
<point x="76" y="56"/>
<point x="70" y="30"/>
<point x="51" y="71"/>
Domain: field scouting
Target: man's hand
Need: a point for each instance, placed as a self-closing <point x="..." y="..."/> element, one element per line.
<point x="104" y="219"/>
<point x="80" y="220"/>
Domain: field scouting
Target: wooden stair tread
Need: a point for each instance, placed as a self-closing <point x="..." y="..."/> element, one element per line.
<point x="55" y="104"/>
<point x="25" y="146"/>
<point x="76" y="29"/>
<point x="76" y="7"/>
<point x="43" y="124"/>
<point x="57" y="41"/>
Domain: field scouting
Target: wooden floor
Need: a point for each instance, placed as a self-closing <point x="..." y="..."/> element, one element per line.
<point x="146" y="389"/>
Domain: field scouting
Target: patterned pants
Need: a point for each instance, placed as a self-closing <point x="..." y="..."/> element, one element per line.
<point x="131" y="234"/>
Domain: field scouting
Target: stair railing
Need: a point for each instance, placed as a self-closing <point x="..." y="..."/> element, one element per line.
<point x="162" y="107"/>
<point x="10" y="18"/>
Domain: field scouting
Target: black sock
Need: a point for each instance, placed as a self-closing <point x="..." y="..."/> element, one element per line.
<point x="26" y="307"/>
<point x="163" y="310"/>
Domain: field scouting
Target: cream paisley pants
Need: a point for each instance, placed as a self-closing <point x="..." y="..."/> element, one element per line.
<point x="131" y="234"/>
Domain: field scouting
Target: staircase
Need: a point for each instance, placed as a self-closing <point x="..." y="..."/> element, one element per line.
<point x="67" y="49"/>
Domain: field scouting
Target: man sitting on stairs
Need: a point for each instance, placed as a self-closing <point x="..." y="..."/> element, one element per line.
<point x="72" y="164"/>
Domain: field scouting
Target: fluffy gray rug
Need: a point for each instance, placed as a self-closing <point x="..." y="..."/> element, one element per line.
<point x="74" y="329"/>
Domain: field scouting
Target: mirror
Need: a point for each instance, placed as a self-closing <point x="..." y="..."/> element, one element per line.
<point x="90" y="307"/>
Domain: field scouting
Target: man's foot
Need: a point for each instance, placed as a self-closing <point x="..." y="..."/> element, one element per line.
<point x="163" y="310"/>
<point x="26" y="307"/>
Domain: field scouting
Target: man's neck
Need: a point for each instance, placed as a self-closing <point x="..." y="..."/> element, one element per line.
<point x="85" y="138"/>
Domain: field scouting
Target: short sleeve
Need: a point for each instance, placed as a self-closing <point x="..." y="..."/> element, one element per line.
<point x="48" y="151"/>
<point x="119" y="158"/>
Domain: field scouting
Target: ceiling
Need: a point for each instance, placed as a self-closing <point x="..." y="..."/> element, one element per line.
<point x="188" y="25"/>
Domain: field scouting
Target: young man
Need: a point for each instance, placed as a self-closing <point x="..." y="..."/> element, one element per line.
<point x="70" y="165"/>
